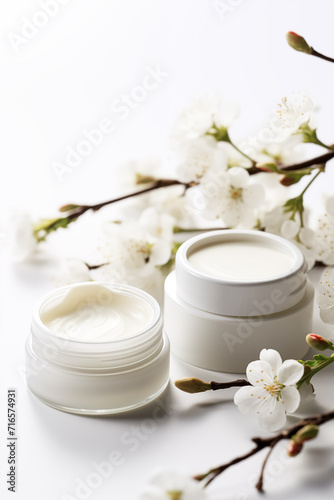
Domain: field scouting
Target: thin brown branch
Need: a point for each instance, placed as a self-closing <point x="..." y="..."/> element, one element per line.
<point x="318" y="160"/>
<point x="321" y="56"/>
<point x="226" y="385"/>
<point x="161" y="183"/>
<point x="259" y="484"/>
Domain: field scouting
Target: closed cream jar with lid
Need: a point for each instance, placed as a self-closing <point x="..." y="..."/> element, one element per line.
<point x="234" y="293"/>
<point x="97" y="349"/>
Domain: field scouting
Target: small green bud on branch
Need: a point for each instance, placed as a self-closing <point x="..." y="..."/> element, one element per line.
<point x="193" y="385"/>
<point x="299" y="43"/>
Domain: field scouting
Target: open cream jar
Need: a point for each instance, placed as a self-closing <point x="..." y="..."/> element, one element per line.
<point x="234" y="293"/>
<point x="97" y="349"/>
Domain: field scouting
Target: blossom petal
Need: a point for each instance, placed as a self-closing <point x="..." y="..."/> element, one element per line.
<point x="161" y="252"/>
<point x="259" y="373"/>
<point x="290" y="229"/>
<point x="307" y="236"/>
<point x="274" y="420"/>
<point x="327" y="315"/>
<point x="290" y="372"/>
<point x="238" y="176"/>
<point x="249" y="400"/>
<point x="290" y="398"/>
<point x="330" y="206"/>
<point x="254" y="195"/>
<point x="273" y="358"/>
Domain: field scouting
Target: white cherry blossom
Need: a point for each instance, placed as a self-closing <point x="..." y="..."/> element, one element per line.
<point x="273" y="392"/>
<point x="231" y="196"/>
<point x="172" y="485"/>
<point x="198" y="157"/>
<point x="158" y="225"/>
<point x="326" y="296"/>
<point x="290" y="114"/>
<point x="198" y="118"/>
<point x="132" y="247"/>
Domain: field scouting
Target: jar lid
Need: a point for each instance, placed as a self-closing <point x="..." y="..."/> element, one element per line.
<point x="240" y="273"/>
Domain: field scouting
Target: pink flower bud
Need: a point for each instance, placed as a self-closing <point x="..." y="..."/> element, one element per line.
<point x="294" y="448"/>
<point x="297" y="42"/>
<point x="318" y="342"/>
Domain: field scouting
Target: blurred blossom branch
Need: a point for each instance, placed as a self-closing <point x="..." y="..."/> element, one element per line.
<point x="304" y="430"/>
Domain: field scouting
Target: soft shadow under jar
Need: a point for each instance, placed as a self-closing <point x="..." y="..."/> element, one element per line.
<point x="97" y="349"/>
<point x="234" y="293"/>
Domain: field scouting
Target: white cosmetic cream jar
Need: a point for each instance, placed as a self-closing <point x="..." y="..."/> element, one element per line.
<point x="97" y="349"/>
<point x="234" y="293"/>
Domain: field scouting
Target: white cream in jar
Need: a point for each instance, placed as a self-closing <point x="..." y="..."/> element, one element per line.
<point x="249" y="260"/>
<point x="97" y="349"/>
<point x="234" y="293"/>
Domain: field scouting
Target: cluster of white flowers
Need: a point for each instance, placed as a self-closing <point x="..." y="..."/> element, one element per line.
<point x="132" y="252"/>
<point x="220" y="192"/>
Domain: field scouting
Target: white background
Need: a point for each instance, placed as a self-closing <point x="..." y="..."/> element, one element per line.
<point x="63" y="80"/>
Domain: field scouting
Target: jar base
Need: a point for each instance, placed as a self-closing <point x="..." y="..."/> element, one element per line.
<point x="102" y="412"/>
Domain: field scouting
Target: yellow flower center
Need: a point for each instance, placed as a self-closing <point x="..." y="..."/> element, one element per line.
<point x="235" y="193"/>
<point x="275" y="388"/>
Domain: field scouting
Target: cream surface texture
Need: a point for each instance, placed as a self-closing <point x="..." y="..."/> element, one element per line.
<point x="240" y="260"/>
<point x="96" y="314"/>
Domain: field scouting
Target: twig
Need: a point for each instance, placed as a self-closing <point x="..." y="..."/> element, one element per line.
<point x="215" y="386"/>
<point x="318" y="160"/>
<point x="321" y="56"/>
<point x="161" y="183"/>
<point x="259" y="484"/>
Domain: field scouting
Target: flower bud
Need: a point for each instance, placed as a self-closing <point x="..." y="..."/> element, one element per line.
<point x="294" y="448"/>
<point x="287" y="180"/>
<point x="306" y="433"/>
<point x="297" y="42"/>
<point x="67" y="208"/>
<point x="192" y="385"/>
<point x="318" y="342"/>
